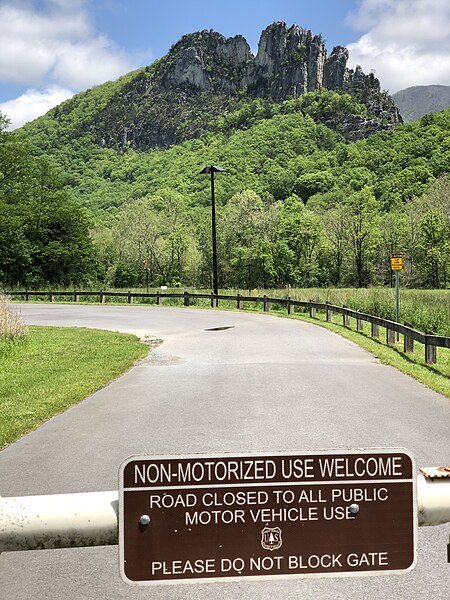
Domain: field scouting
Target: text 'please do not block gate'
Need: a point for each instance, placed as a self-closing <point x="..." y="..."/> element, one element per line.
<point x="229" y="517"/>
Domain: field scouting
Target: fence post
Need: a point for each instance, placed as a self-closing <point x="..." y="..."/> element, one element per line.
<point x="158" y="299"/>
<point x="290" y="307"/>
<point x="390" y="336"/>
<point x="359" y="324"/>
<point x="408" y="341"/>
<point x="375" y="330"/>
<point x="129" y="297"/>
<point x="27" y="295"/>
<point x="186" y="298"/>
<point x="345" y="317"/>
<point x="102" y="297"/>
<point x="430" y="350"/>
<point x="240" y="304"/>
<point x="75" y="296"/>
<point x="329" y="313"/>
<point x="266" y="303"/>
<point x="50" y="296"/>
<point x="312" y="310"/>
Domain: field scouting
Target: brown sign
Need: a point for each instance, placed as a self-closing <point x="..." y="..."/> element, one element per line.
<point x="210" y="518"/>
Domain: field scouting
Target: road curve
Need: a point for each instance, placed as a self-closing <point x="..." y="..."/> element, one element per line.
<point x="220" y="382"/>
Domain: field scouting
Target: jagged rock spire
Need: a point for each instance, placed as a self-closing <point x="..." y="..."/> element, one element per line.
<point x="290" y="61"/>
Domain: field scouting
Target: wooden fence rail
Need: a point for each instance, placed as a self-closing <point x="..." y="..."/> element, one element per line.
<point x="410" y="335"/>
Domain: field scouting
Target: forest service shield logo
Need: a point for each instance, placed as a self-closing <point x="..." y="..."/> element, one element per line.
<point x="271" y="538"/>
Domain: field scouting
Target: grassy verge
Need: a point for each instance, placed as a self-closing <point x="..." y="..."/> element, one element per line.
<point x="436" y="377"/>
<point x="55" y="368"/>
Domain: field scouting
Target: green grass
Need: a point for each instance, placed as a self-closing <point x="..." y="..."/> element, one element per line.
<point x="424" y="309"/>
<point x="55" y="368"/>
<point x="436" y="377"/>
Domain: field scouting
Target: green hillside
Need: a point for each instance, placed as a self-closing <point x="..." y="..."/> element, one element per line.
<point x="419" y="100"/>
<point x="264" y="146"/>
<point x="297" y="201"/>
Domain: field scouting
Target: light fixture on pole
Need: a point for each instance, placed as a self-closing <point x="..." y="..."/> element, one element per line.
<point x="211" y="170"/>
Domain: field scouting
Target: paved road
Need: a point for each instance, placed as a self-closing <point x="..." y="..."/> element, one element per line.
<point x="265" y="384"/>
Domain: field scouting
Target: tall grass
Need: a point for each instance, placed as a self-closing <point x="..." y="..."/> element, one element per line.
<point x="12" y="328"/>
<point x="424" y="309"/>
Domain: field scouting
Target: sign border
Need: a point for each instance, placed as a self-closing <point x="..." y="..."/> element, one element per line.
<point x="268" y="454"/>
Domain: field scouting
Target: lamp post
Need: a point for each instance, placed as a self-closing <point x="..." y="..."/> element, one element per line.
<point x="212" y="169"/>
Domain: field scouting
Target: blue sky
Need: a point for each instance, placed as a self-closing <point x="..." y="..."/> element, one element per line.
<point x="51" y="49"/>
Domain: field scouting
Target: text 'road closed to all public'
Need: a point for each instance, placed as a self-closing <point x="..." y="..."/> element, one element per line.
<point x="210" y="518"/>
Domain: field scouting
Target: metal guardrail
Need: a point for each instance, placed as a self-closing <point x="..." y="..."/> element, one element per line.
<point x="91" y="519"/>
<point x="411" y="335"/>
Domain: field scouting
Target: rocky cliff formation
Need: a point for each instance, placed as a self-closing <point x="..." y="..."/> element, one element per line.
<point x="207" y="73"/>
<point x="289" y="62"/>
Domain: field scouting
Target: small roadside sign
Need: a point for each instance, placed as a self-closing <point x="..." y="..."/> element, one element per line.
<point x="222" y="517"/>
<point x="396" y="262"/>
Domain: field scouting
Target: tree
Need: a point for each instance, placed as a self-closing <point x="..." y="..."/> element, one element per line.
<point x="427" y="239"/>
<point x="301" y="231"/>
<point x="434" y="249"/>
<point x="156" y="229"/>
<point x="4" y="122"/>
<point x="44" y="235"/>
<point x="362" y="230"/>
<point x="245" y="233"/>
<point x="313" y="183"/>
<point x="335" y="223"/>
<point x="393" y="227"/>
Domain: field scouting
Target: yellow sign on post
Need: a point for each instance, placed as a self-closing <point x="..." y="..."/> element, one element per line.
<point x="396" y="262"/>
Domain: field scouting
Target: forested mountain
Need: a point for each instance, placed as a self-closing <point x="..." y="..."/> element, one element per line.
<point x="419" y="100"/>
<point x="300" y="200"/>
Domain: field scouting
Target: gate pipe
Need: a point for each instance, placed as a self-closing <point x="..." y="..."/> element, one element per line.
<point x="91" y="519"/>
<point x="58" y="521"/>
<point x="433" y="499"/>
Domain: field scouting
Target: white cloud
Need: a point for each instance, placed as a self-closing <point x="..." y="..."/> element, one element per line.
<point x="32" y="104"/>
<point x="367" y="15"/>
<point x="85" y="64"/>
<point x="31" y="41"/>
<point x="407" y="42"/>
<point x="56" y="45"/>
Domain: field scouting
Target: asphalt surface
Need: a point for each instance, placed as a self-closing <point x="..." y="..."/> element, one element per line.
<point x="263" y="384"/>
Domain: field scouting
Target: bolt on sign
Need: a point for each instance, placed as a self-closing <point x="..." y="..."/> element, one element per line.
<point x="396" y="262"/>
<point x="229" y="517"/>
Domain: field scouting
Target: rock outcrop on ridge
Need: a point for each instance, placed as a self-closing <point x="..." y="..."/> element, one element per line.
<point x="205" y="73"/>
